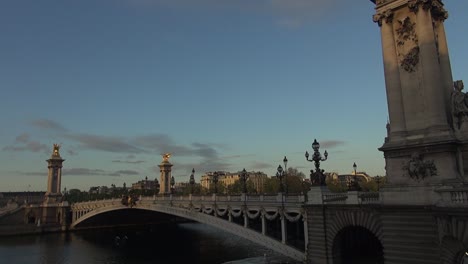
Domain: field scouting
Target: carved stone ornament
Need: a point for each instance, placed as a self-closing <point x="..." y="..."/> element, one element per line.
<point x="379" y="17"/>
<point x="435" y="6"/>
<point x="419" y="169"/>
<point x="381" y="2"/>
<point x="410" y="60"/>
<point x="406" y="34"/>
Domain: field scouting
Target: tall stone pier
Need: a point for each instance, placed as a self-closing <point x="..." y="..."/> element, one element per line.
<point x="420" y="215"/>
<point x="165" y="181"/>
<point x="423" y="149"/>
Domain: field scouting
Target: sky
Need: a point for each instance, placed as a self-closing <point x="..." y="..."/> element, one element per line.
<point x="220" y="84"/>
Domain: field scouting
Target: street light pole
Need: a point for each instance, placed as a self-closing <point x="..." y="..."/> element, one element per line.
<point x="172" y="184"/>
<point x="215" y="181"/>
<point x="244" y="176"/>
<point x="285" y="161"/>
<point x="192" y="180"/>
<point x="279" y="175"/>
<point x="356" y="186"/>
<point x="317" y="178"/>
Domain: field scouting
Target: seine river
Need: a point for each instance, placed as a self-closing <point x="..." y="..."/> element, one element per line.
<point x="184" y="243"/>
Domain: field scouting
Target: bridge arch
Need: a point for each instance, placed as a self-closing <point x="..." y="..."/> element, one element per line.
<point x="453" y="251"/>
<point x="355" y="236"/>
<point x="210" y="220"/>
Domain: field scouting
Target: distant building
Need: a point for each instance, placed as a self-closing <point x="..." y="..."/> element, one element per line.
<point x="228" y="178"/>
<point x="145" y="184"/>
<point x="347" y="179"/>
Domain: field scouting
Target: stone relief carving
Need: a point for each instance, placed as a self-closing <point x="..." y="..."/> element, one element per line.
<point x="419" y="169"/>
<point x="459" y="105"/>
<point x="435" y="6"/>
<point x="410" y="60"/>
<point x="406" y="36"/>
<point x="379" y="17"/>
<point x="406" y="32"/>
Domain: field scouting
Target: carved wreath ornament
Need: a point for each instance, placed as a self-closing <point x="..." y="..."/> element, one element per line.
<point x="419" y="169"/>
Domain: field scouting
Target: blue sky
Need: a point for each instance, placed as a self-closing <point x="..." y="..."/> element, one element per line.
<point x="222" y="85"/>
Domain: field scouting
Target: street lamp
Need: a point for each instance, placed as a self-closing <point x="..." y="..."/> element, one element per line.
<point x="215" y="181"/>
<point x="172" y="184"/>
<point x="192" y="181"/>
<point x="244" y="176"/>
<point x="355" y="186"/>
<point x="285" y="162"/>
<point x="279" y="175"/>
<point x="317" y="178"/>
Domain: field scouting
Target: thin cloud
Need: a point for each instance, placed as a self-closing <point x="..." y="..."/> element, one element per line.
<point x="331" y="143"/>
<point x="129" y="161"/>
<point x="97" y="172"/>
<point x="23" y="143"/>
<point x="48" y="124"/>
<point x="104" y="143"/>
<point x="287" y="13"/>
<point x="257" y="165"/>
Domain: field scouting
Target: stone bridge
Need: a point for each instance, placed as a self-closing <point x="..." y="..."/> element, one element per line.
<point x="254" y="213"/>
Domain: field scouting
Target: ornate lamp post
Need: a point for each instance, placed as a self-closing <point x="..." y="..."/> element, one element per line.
<point x="244" y="176"/>
<point x="172" y="184"/>
<point x="192" y="180"/>
<point x="280" y="175"/>
<point x="317" y="178"/>
<point x="285" y="162"/>
<point x="215" y="181"/>
<point x="355" y="185"/>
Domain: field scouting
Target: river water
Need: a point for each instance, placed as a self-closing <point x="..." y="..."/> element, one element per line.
<point x="182" y="243"/>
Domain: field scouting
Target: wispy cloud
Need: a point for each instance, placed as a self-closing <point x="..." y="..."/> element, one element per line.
<point x="48" y="124"/>
<point x="82" y="172"/>
<point x="97" y="172"/>
<point x="104" y="143"/>
<point x="288" y="13"/>
<point x="24" y="143"/>
<point x="331" y="143"/>
<point x="129" y="161"/>
<point x="257" y="165"/>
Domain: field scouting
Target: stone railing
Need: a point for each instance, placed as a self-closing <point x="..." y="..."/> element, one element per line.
<point x="369" y="198"/>
<point x="335" y="198"/>
<point x="455" y="197"/>
<point x="351" y="197"/>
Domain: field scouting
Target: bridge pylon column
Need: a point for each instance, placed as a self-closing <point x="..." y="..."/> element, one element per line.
<point x="165" y="180"/>
<point x="423" y="147"/>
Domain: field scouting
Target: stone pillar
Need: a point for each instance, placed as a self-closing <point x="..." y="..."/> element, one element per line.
<point x="53" y="194"/>
<point x="165" y="181"/>
<point x="283" y="228"/>
<point x="422" y="151"/>
<point x="246" y="218"/>
<point x="263" y="224"/>
<point x="392" y="75"/>
<point x="306" y="231"/>
<point x="430" y="70"/>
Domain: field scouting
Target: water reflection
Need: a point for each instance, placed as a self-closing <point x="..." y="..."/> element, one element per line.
<point x="183" y="243"/>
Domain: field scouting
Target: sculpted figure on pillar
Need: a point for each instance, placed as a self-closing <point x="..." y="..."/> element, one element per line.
<point x="459" y="104"/>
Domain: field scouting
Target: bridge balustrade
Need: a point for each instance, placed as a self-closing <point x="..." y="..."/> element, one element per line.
<point x="456" y="197"/>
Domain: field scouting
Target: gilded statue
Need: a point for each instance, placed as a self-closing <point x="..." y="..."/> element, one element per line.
<point x="166" y="157"/>
<point x="56" y="150"/>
